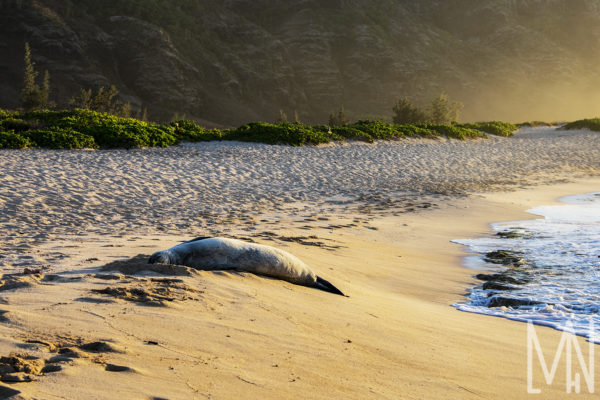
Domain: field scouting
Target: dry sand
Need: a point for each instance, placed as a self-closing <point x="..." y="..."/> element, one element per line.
<point x="375" y="220"/>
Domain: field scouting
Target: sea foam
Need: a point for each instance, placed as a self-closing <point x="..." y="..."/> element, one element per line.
<point x="544" y="270"/>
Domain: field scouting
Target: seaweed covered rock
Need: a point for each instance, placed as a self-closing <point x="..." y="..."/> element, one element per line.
<point x="513" y="302"/>
<point x="505" y="257"/>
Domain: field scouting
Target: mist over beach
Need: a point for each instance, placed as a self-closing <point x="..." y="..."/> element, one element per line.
<point x="362" y="142"/>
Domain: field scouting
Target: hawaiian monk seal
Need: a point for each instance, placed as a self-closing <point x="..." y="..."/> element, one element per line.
<point x="231" y="254"/>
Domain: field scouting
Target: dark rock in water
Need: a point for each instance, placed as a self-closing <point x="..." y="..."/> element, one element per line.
<point x="515" y="234"/>
<point x="494" y="285"/>
<point x="507" y="280"/>
<point x="501" y="301"/>
<point x="509" y="234"/>
<point x="505" y="257"/>
<point x="508" y="277"/>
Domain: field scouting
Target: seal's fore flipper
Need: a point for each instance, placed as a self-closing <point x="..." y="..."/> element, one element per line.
<point x="154" y="258"/>
<point x="328" y="287"/>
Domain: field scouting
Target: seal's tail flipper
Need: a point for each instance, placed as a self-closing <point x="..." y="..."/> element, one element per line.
<point x="328" y="287"/>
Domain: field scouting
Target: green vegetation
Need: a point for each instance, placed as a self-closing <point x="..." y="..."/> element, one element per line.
<point x="188" y="131"/>
<point x="284" y="133"/>
<point x="441" y="111"/>
<point x="104" y="101"/>
<point x="75" y="129"/>
<point x="533" y="124"/>
<point x="494" y="128"/>
<point x="34" y="97"/>
<point x="12" y="140"/>
<point x="339" y="118"/>
<point x="406" y="113"/>
<point x="593" y="124"/>
<point x="282" y="117"/>
<point x="58" y="138"/>
<point x="444" y="111"/>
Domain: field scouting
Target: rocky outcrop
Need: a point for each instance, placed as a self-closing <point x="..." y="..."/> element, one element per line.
<point x="238" y="60"/>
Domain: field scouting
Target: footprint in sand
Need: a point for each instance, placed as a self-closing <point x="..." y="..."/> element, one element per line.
<point x="23" y="367"/>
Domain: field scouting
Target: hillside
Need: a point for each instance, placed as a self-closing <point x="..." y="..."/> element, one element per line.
<point x="234" y="61"/>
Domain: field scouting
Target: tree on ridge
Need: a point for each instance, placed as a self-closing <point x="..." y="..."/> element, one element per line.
<point x="34" y="97"/>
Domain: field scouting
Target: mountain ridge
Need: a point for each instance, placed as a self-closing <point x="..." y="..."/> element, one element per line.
<point x="230" y="62"/>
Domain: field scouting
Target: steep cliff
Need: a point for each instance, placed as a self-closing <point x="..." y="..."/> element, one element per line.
<point x="238" y="60"/>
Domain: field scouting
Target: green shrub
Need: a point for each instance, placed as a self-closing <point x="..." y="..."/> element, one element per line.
<point x="533" y="124"/>
<point x="443" y="111"/>
<point x="592" y="124"/>
<point x="406" y="113"/>
<point x="59" y="138"/>
<point x="107" y="130"/>
<point x="377" y="130"/>
<point x="105" y="100"/>
<point x="189" y="131"/>
<point x="46" y="116"/>
<point x="338" y="118"/>
<point x="284" y="133"/>
<point x="72" y="129"/>
<point x="493" y="127"/>
<point x="77" y="119"/>
<point x="456" y="131"/>
<point x="88" y="129"/>
<point x="129" y="133"/>
<point x="415" y="131"/>
<point x="12" y="140"/>
<point x="17" y="124"/>
<point x="351" y="133"/>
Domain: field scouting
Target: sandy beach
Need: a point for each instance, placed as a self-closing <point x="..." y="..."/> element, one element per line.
<point x="376" y="220"/>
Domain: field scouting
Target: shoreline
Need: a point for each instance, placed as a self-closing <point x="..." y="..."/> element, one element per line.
<point x="396" y="335"/>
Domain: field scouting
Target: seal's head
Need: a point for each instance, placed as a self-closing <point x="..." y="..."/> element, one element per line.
<point x="161" y="257"/>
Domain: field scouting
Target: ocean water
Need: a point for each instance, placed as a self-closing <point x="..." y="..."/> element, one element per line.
<point x="544" y="270"/>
